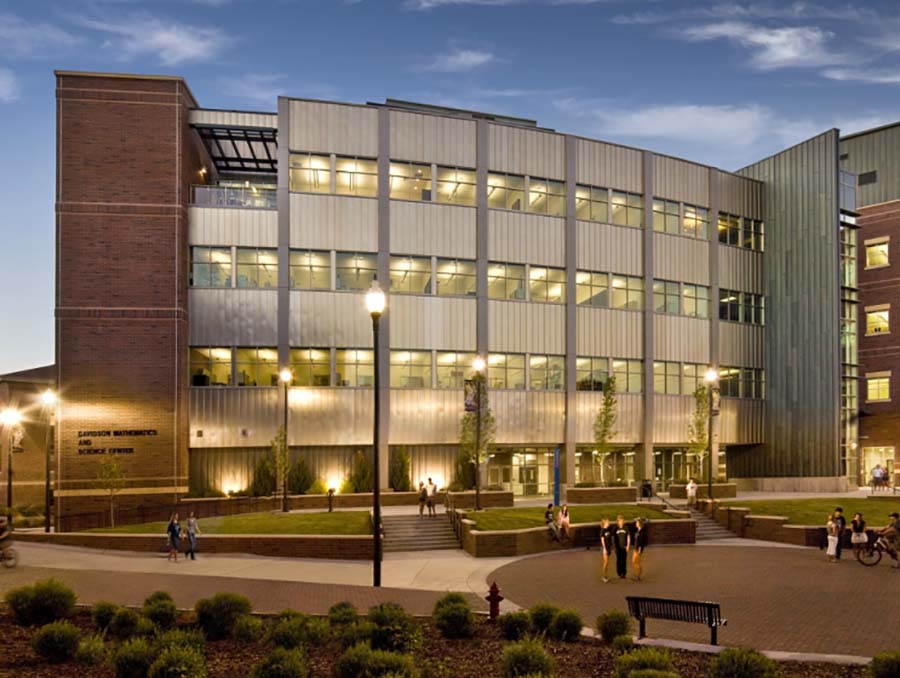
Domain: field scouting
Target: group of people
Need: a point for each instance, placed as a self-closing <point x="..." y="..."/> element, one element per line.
<point x="426" y="498"/>
<point x="176" y="532"/>
<point x="881" y="478"/>
<point x="836" y="525"/>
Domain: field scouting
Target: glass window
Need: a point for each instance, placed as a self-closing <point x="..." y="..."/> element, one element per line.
<point x="310" y="173"/>
<point x="627" y="209"/>
<point x="591" y="373"/>
<point x="354" y="368"/>
<point x="627" y="292"/>
<point x="753" y="234"/>
<point x="592" y="289"/>
<point x="210" y="366"/>
<point x="410" y="181"/>
<point x="729" y="305"/>
<point x="879" y="388"/>
<point x="757" y="308"/>
<point x="592" y="203"/>
<point x="506" y="281"/>
<point x="695" y="303"/>
<point x="456" y="277"/>
<point x="666" y="216"/>
<point x="666" y="297"/>
<point x="752" y="386"/>
<point x="311" y="269"/>
<point x="547" y="284"/>
<point x="256" y="367"/>
<point x="506" y="371"/>
<point x="878" y="320"/>
<point x="311" y="366"/>
<point x="729" y="229"/>
<point x="505" y="191"/>
<point x="877" y="254"/>
<point x="410" y="369"/>
<point x="257" y="267"/>
<point x="695" y="223"/>
<point x="454" y="368"/>
<point x="547" y="372"/>
<point x="730" y="381"/>
<point x="210" y="267"/>
<point x="456" y="186"/>
<point x="848" y="256"/>
<point x="410" y="275"/>
<point x="547" y="197"/>
<point x="629" y="375"/>
<point x="355" y="271"/>
<point x="356" y="176"/>
<point x="666" y="378"/>
<point x="692" y="377"/>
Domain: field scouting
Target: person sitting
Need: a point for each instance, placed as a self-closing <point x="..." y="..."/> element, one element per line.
<point x="5" y="534"/>
<point x="551" y="523"/>
<point x="562" y="521"/>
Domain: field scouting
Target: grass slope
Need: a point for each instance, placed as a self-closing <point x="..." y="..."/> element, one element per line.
<point x="520" y="518"/>
<point x="339" y="522"/>
<point x="816" y="511"/>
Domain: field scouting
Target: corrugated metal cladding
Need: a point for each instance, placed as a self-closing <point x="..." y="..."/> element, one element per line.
<point x="523" y="327"/>
<point x="329" y="319"/>
<point x="678" y="258"/>
<point x="681" y="180"/>
<point x="741" y="422"/>
<point x="671" y="416"/>
<point x="629" y="419"/>
<point x="604" y="332"/>
<point x="527" y="151"/>
<point x="329" y="222"/>
<point x="526" y="238"/>
<point x="344" y="129"/>
<point x="206" y="116"/>
<point x="425" y="416"/>
<point x="680" y="338"/>
<point x="432" y="229"/>
<point x="529" y="417"/>
<point x="802" y="316"/>
<point x="232" y="226"/>
<point x="432" y="139"/>
<point x="740" y="269"/>
<point x="612" y="249"/>
<point x="877" y="152"/>
<point x="741" y="345"/>
<point x="229" y="317"/>
<point x="437" y="462"/>
<point x="441" y="323"/>
<point x="609" y="166"/>
<point x="739" y="195"/>
<point x="331" y="416"/>
<point x="233" y="417"/>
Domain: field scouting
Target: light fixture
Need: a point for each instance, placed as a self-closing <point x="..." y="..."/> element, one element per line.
<point x="375" y="300"/>
<point x="10" y="417"/>
<point x="711" y="376"/>
<point x="285" y="375"/>
<point x="478" y="364"/>
<point x="48" y="397"/>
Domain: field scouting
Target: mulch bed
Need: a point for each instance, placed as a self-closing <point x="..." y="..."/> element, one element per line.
<point x="472" y="658"/>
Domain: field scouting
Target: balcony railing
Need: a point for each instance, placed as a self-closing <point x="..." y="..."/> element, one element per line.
<point x="227" y="196"/>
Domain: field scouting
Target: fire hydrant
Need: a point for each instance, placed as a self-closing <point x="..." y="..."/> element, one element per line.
<point x="494" y="598"/>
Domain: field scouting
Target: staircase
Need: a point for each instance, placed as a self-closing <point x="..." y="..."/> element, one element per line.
<point x="411" y="533"/>
<point x="708" y="529"/>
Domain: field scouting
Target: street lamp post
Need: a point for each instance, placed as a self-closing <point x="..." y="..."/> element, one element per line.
<point x="478" y="365"/>
<point x="375" y="303"/>
<point x="285" y="376"/>
<point x="48" y="399"/>
<point x="712" y="380"/>
<point x="10" y="418"/>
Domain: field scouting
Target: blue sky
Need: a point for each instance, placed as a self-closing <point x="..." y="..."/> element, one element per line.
<point x="719" y="82"/>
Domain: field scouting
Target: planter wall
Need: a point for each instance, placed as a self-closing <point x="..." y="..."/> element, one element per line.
<point x="601" y="495"/>
<point x="489" y="499"/>
<point x="720" y="491"/>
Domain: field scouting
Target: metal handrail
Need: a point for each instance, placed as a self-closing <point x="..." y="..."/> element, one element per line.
<point x="234" y="196"/>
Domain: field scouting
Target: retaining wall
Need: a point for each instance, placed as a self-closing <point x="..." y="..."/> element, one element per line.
<point x="601" y="495"/>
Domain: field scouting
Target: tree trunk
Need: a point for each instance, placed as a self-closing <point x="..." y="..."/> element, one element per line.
<point x="112" y="510"/>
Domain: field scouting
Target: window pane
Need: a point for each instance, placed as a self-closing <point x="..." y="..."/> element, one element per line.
<point x="410" y="181"/>
<point x="453" y="369"/>
<point x="455" y="186"/>
<point x="410" y="275"/>
<point x="355" y="271"/>
<point x="506" y="191"/>
<point x="310" y="173"/>
<point x="311" y="270"/>
<point x="878" y="322"/>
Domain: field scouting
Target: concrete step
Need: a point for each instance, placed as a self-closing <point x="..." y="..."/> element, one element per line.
<point x="411" y="533"/>
<point x="708" y="529"/>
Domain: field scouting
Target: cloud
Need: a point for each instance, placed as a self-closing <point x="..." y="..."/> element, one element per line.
<point x="264" y="89"/>
<point x="459" y="60"/>
<point x="750" y="11"/>
<point x="9" y="86"/>
<point x="872" y="76"/>
<point x="23" y="38"/>
<point x="423" y="5"/>
<point x="172" y="43"/>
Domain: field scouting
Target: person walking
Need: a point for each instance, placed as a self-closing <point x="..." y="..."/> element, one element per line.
<point x="840" y="526"/>
<point x="639" y="541"/>
<point x="552" y="527"/>
<point x="831" y="539"/>
<point x="562" y="520"/>
<point x="891" y="534"/>
<point x="691" y="490"/>
<point x="193" y="529"/>
<point x="623" y="544"/>
<point x="423" y="497"/>
<point x="607" y="544"/>
<point x="877" y="475"/>
<point x="173" y="529"/>
<point x="858" y="536"/>
<point x="430" y="491"/>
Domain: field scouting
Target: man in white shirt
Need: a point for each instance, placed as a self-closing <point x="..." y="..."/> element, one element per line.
<point x="691" y="489"/>
<point x="877" y="475"/>
<point x="430" y="490"/>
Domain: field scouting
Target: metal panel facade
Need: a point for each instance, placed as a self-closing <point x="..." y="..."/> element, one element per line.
<point x="441" y="323"/>
<point x="739" y="195"/>
<point x="741" y="344"/>
<point x="679" y="338"/>
<point x="741" y="422"/>
<point x="211" y="116"/>
<point x="328" y="222"/>
<point x="527" y="151"/>
<point x="529" y="417"/>
<point x="432" y="139"/>
<point x="678" y="258"/>
<point x="608" y="333"/>
<point x="425" y="416"/>
<point x="232" y="226"/>
<point x="432" y="230"/>
<point x="740" y="269"/>
<point x="609" y="166"/>
<point x="612" y="249"/>
<point x="629" y="419"/>
<point x="874" y="151"/>
<point x="344" y="129"/>
<point x="233" y="317"/>
<point x="326" y="319"/>
<point x="671" y="417"/>
<point x="680" y="180"/>
<point x="233" y="417"/>
<point x="526" y="238"/>
<point x="522" y="327"/>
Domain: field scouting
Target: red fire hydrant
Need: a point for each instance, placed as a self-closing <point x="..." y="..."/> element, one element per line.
<point x="494" y="598"/>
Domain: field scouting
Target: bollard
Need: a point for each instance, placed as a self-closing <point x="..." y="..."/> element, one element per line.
<point x="494" y="599"/>
<point x="330" y="499"/>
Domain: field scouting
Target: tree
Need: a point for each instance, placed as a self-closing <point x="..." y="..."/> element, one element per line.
<point x="112" y="480"/>
<point x="280" y="460"/>
<point x="361" y="478"/>
<point x="697" y="425"/>
<point x="469" y="458"/>
<point x="399" y="471"/>
<point x="263" y="483"/>
<point x="605" y="422"/>
<point x="300" y="477"/>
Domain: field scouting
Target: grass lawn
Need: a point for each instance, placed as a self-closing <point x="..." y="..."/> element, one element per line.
<point x="339" y="522"/>
<point x="520" y="518"/>
<point x="815" y="511"/>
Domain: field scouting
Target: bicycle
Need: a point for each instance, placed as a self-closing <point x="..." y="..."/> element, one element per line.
<point x="9" y="557"/>
<point x="870" y="554"/>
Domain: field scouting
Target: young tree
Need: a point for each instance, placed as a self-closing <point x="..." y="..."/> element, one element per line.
<point x="470" y="458"/>
<point x="399" y="471"/>
<point x="112" y="480"/>
<point x="280" y="461"/>
<point x="698" y="423"/>
<point x="605" y="422"/>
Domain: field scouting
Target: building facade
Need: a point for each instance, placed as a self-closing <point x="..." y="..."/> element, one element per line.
<point x="201" y="250"/>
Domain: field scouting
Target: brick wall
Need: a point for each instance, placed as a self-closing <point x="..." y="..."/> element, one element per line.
<point x="601" y="495"/>
<point x="489" y="499"/>
<point x="720" y="491"/>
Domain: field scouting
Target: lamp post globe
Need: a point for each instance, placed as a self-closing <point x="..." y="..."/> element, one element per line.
<point x="48" y="398"/>
<point x="478" y="364"/>
<point x="285" y="375"/>
<point x="711" y="376"/>
<point x="375" y="300"/>
<point x="10" y="417"/>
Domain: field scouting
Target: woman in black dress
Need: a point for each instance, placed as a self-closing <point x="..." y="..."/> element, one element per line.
<point x="174" y="532"/>
<point x="858" y="536"/>
<point x="639" y="541"/>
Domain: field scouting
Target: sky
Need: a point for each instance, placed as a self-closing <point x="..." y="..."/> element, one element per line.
<point x="723" y="83"/>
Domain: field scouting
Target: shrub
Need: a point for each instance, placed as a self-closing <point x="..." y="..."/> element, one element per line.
<point x="361" y="661"/>
<point x="289" y="614"/>
<point x="642" y="658"/>
<point x="653" y="673"/>
<point x="451" y="598"/>
<point x="514" y="625"/>
<point x="158" y="595"/>
<point x="216" y="615"/>
<point x="282" y="663"/>
<point x="247" y="628"/>
<point x="317" y="630"/>
<point x="566" y="626"/>
<point x="342" y="613"/>
<point x="124" y="623"/>
<point x="455" y="621"/>
<point x="133" y="659"/>
<point x="353" y="634"/>
<point x="740" y="663"/>
<point x="360" y="478"/>
<point x="613" y="623"/>
<point x="542" y="616"/>
<point x="91" y="651"/>
<point x="623" y="643"/>
<point x="41" y="603"/>
<point x="885" y="665"/>
<point x="300" y="477"/>
<point x="161" y="612"/>
<point x="145" y="628"/>
<point x="191" y="639"/>
<point x="178" y="661"/>
<point x="264" y="480"/>
<point x="289" y="633"/>
<point x="318" y="487"/>
<point x="393" y="628"/>
<point x="102" y="613"/>
<point x="526" y="658"/>
<point x="399" y="471"/>
<point x="56" y="642"/>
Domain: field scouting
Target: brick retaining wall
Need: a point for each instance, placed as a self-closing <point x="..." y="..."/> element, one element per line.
<point x="720" y="491"/>
<point x="489" y="499"/>
<point x="601" y="495"/>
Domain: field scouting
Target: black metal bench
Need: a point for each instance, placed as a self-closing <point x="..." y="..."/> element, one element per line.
<point x="696" y="612"/>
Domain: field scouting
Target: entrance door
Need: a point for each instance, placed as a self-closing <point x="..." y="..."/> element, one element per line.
<point x="876" y="456"/>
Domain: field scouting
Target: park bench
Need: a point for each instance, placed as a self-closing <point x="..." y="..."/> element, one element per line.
<point x="697" y="612"/>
